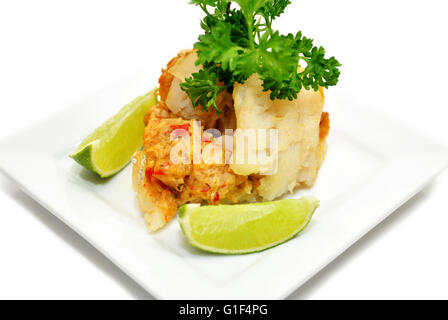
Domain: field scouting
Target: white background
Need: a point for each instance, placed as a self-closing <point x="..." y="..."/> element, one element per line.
<point x="53" y="53"/>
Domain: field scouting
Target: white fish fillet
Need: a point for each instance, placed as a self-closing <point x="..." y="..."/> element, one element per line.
<point x="300" y="150"/>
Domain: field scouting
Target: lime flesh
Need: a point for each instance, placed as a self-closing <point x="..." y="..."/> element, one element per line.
<point x="245" y="228"/>
<point x="110" y="147"/>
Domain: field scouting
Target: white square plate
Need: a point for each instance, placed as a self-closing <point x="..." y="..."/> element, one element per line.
<point x="373" y="166"/>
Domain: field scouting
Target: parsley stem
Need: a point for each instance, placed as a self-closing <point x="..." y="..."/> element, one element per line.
<point x="204" y="8"/>
<point x="251" y="35"/>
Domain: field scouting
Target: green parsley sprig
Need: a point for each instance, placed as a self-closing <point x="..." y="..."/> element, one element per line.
<point x="240" y="42"/>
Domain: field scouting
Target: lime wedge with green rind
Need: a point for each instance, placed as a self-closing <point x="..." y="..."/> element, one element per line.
<point x="245" y="228"/>
<point x="110" y="147"/>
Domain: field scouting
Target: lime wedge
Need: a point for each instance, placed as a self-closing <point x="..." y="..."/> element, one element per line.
<point x="245" y="228"/>
<point x="110" y="147"/>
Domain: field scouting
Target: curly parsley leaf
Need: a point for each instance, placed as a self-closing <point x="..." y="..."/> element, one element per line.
<point x="274" y="9"/>
<point x="240" y="42"/>
<point x="217" y="46"/>
<point x="203" y="90"/>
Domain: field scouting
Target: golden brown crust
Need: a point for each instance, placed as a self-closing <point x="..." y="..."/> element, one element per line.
<point x="324" y="125"/>
<point x="166" y="78"/>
